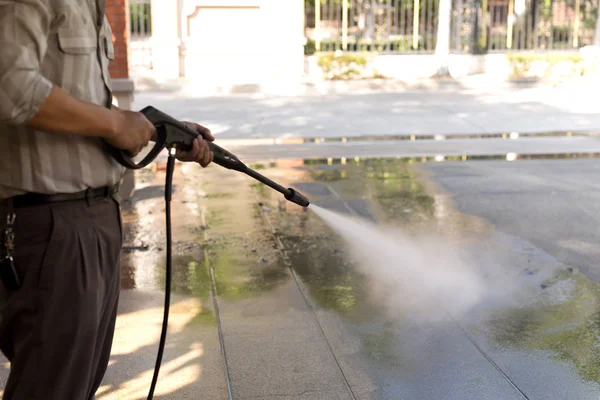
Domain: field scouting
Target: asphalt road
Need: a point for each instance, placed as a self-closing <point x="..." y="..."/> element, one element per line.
<point x="555" y="204"/>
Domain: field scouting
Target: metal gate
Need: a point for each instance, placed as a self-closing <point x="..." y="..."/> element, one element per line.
<point x="410" y="26"/>
<point x="140" y="50"/>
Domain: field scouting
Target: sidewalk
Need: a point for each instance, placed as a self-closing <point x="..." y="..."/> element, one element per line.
<point x="145" y="81"/>
<point x="456" y="107"/>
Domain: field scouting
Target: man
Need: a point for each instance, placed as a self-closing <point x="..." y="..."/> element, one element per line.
<point x="59" y="182"/>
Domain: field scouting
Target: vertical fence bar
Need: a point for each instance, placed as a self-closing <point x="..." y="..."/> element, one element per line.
<point x="149" y="14"/>
<point x="355" y="15"/>
<point x="522" y="27"/>
<point x="336" y="25"/>
<point x="495" y="19"/>
<point x="597" y="27"/>
<point x="536" y="19"/>
<point x="423" y="27"/>
<point x="374" y="13"/>
<point x="403" y="21"/>
<point x="332" y="43"/>
<point x="526" y="29"/>
<point x="569" y="35"/>
<point x="136" y="25"/>
<point x="344" y="25"/>
<point x="378" y="21"/>
<point x="415" y="42"/>
<point x="501" y="37"/>
<point x="475" y="32"/>
<point x="510" y="20"/>
<point x="430" y="25"/>
<point x="545" y="37"/>
<point x="491" y="42"/>
<point x="318" y="25"/>
<point x="351" y="7"/>
<point x="395" y="23"/>
<point x="576" y="24"/>
<point x="534" y="24"/>
<point x="529" y="28"/>
<point x="551" y="38"/>
<point x="484" y="15"/>
<point x="458" y="27"/>
<point x="388" y="25"/>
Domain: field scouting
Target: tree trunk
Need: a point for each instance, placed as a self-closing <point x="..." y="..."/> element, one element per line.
<point x="442" y="46"/>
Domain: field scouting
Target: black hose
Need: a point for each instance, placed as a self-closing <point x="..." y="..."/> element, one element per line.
<point x="163" y="334"/>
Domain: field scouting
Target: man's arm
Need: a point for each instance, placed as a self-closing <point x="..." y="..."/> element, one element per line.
<point x="28" y="98"/>
<point x="62" y="113"/>
<point x="24" y="26"/>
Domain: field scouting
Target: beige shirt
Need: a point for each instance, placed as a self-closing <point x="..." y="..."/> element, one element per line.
<point x="67" y="43"/>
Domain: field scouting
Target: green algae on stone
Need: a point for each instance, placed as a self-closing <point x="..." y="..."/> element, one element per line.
<point x="569" y="328"/>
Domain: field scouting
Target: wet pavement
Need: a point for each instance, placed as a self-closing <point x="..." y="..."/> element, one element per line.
<point x="298" y="319"/>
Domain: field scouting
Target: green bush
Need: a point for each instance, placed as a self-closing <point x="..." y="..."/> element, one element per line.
<point x="310" y="48"/>
<point x="344" y="66"/>
<point x="545" y="64"/>
<point x="397" y="45"/>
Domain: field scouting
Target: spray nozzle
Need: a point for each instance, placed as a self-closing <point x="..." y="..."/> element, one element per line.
<point x="297" y="197"/>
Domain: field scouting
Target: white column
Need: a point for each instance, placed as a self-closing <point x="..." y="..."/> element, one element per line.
<point x="286" y="25"/>
<point x="165" y="39"/>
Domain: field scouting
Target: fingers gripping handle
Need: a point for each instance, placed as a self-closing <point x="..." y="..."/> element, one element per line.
<point x="172" y="132"/>
<point x="177" y="133"/>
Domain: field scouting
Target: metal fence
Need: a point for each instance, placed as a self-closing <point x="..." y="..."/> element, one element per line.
<point x="410" y="26"/>
<point x="140" y="26"/>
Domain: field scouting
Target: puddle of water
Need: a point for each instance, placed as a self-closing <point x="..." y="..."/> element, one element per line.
<point x="240" y="249"/>
<point x="564" y="321"/>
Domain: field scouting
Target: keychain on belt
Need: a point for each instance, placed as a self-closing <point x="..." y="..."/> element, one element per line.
<point x="8" y="273"/>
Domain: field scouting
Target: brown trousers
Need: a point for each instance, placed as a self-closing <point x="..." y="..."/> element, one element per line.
<point x="57" y="329"/>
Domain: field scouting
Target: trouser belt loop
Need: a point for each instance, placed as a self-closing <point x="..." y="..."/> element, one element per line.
<point x="94" y="198"/>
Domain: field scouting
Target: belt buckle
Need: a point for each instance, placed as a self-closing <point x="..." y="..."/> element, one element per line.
<point x="99" y="195"/>
<point x="88" y="197"/>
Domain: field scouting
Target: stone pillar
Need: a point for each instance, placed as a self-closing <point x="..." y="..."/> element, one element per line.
<point x="117" y="12"/>
<point x="165" y="39"/>
<point x="287" y="30"/>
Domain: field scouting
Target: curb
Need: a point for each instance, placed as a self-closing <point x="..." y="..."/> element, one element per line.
<point x="308" y="87"/>
<point x="404" y="137"/>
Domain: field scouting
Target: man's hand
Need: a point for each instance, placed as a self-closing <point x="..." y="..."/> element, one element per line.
<point x="200" y="151"/>
<point x="132" y="131"/>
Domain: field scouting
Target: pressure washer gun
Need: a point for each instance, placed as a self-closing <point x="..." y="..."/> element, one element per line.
<point x="171" y="132"/>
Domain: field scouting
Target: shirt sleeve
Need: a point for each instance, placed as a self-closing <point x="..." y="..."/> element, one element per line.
<point x="24" y="27"/>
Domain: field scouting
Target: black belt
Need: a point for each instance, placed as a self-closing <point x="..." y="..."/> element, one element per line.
<point x="37" y="199"/>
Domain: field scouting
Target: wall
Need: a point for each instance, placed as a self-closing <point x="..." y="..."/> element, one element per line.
<point x="228" y="42"/>
<point x="116" y="12"/>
